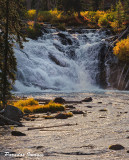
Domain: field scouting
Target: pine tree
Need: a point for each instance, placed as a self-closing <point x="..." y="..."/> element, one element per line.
<point x="70" y="6"/>
<point x="11" y="28"/>
<point x="126" y="9"/>
<point x="120" y="14"/>
<point x="96" y="4"/>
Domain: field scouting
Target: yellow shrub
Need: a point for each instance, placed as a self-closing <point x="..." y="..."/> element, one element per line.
<point x="103" y="22"/>
<point x="22" y="103"/>
<point x="32" y="106"/>
<point x="31" y="13"/>
<point x="121" y="50"/>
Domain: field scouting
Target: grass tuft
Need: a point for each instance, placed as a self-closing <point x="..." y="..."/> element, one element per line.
<point x="32" y="106"/>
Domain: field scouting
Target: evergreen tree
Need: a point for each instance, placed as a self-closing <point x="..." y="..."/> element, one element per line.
<point x="11" y="28"/>
<point x="70" y="6"/>
<point x="120" y="14"/>
<point x="96" y="4"/>
<point x="126" y="9"/>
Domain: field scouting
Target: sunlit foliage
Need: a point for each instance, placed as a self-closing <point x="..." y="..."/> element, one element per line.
<point x="32" y="106"/>
<point x="121" y="50"/>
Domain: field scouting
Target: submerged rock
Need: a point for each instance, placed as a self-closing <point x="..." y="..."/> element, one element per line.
<point x="116" y="147"/>
<point x="56" y="61"/>
<point x="65" y="40"/>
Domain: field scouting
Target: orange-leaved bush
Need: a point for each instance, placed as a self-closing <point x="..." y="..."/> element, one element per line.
<point x="121" y="50"/>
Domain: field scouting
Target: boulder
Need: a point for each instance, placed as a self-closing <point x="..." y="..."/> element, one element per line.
<point x="65" y="40"/>
<point x="89" y="99"/>
<point x="78" y="112"/>
<point x="13" y="113"/>
<point x="63" y="115"/>
<point x="17" y="133"/>
<point x="56" y="61"/>
<point x="116" y="147"/>
<point x="59" y="100"/>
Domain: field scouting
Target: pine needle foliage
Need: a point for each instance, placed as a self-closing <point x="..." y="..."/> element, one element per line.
<point x="11" y="29"/>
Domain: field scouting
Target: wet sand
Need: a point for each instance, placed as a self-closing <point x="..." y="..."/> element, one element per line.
<point x="105" y="123"/>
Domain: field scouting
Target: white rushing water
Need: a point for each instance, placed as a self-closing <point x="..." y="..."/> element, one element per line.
<point x="65" y="61"/>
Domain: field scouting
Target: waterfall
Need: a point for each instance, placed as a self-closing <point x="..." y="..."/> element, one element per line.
<point x="60" y="61"/>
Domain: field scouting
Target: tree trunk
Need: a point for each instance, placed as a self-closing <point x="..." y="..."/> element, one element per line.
<point x="5" y="80"/>
<point x="9" y="120"/>
<point x="37" y="11"/>
<point x="28" y="4"/>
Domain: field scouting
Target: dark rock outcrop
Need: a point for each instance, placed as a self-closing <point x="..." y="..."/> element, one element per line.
<point x="77" y="112"/>
<point x="56" y="61"/>
<point x="65" y="40"/>
<point x="89" y="99"/>
<point x="13" y="113"/>
<point x="63" y="115"/>
<point x="59" y="100"/>
<point x="17" y="133"/>
<point x="116" y="147"/>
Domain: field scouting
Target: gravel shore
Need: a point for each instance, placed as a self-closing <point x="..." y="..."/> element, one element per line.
<point x="104" y="122"/>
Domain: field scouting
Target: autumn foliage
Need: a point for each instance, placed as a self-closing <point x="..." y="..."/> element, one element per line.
<point x="121" y="50"/>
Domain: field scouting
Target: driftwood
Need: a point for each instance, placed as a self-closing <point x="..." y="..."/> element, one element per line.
<point x="54" y="130"/>
<point x="52" y="126"/>
<point x="10" y="121"/>
<point x="114" y="39"/>
<point x="42" y="101"/>
<point x="120" y="36"/>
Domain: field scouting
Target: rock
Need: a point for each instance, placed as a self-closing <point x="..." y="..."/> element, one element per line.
<point x="59" y="100"/>
<point x="128" y="151"/>
<point x="78" y="112"/>
<point x="89" y="106"/>
<point x="64" y="39"/>
<point x="116" y="147"/>
<point x="56" y="61"/>
<point x="49" y="117"/>
<point x="103" y="110"/>
<point x="89" y="99"/>
<point x="17" y="133"/>
<point x="13" y="113"/>
<point x="63" y="115"/>
<point x="127" y="137"/>
<point x="2" y="122"/>
<point x="99" y="102"/>
<point x="70" y="106"/>
<point x="59" y="47"/>
<point x="39" y="147"/>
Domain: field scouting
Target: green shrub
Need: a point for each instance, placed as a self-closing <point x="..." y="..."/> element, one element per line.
<point x="44" y="16"/>
<point x="34" y="33"/>
<point x="103" y="22"/>
<point x="61" y="26"/>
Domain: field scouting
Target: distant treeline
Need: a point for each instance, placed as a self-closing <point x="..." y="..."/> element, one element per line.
<point x="71" y="4"/>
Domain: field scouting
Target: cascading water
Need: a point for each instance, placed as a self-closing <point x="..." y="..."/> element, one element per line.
<point x="61" y="61"/>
